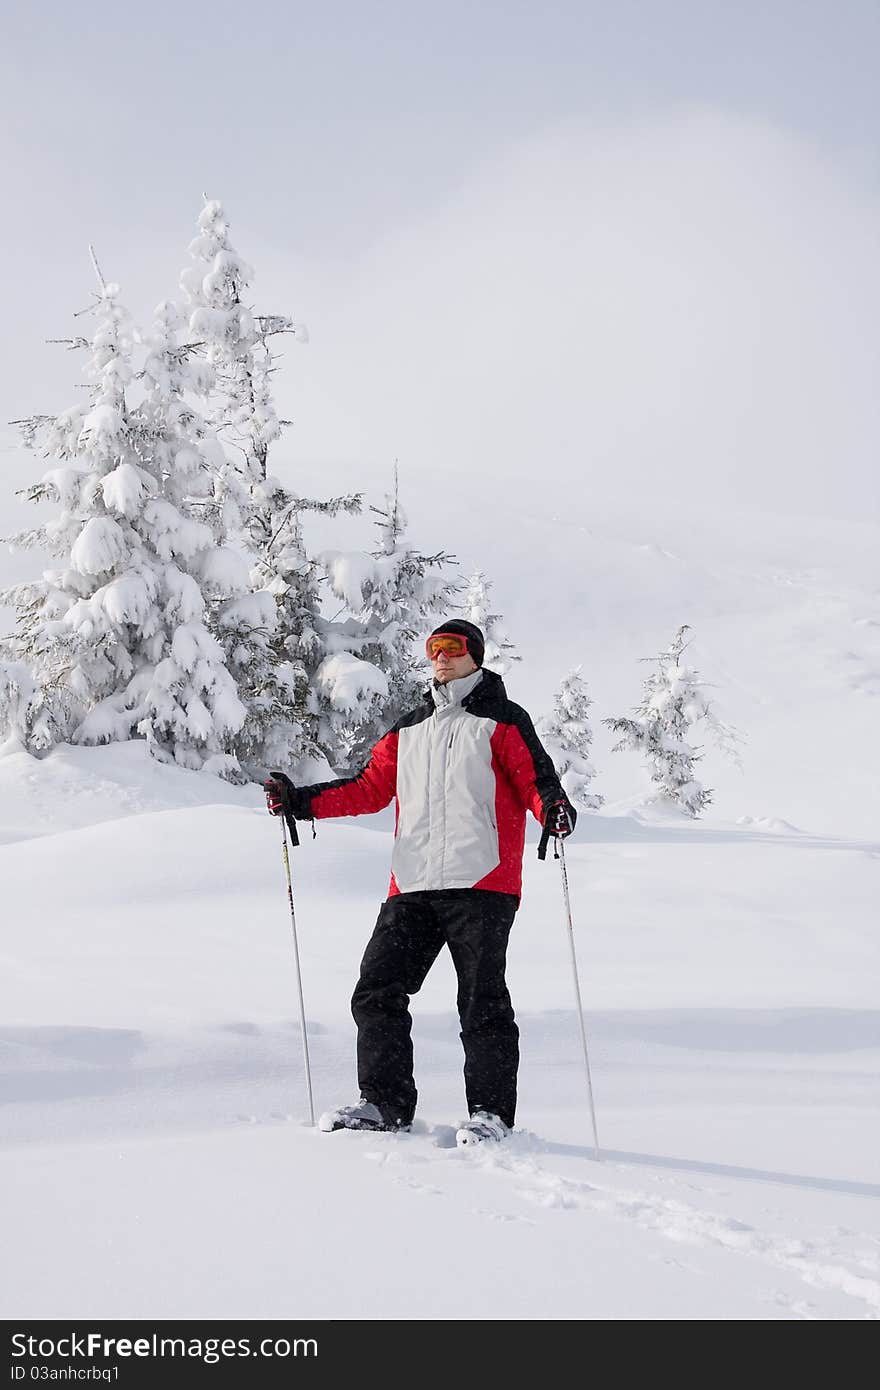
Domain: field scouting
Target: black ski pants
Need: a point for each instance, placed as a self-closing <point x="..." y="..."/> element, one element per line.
<point x="411" y="930"/>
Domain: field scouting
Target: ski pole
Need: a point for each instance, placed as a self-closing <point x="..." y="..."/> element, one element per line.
<point x="294" y="838"/>
<point x="559" y="853"/>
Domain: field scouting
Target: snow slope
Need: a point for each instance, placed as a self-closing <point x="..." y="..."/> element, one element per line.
<point x="156" y="1154"/>
<point x="157" y="1158"/>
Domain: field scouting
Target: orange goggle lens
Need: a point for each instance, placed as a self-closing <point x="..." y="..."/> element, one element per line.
<point x="452" y="643"/>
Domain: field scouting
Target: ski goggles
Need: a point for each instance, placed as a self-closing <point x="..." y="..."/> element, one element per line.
<point x="452" y="643"/>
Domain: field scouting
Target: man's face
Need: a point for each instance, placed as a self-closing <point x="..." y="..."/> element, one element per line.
<point x="451" y="668"/>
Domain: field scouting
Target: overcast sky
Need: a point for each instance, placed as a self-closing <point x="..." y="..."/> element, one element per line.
<point x="628" y="244"/>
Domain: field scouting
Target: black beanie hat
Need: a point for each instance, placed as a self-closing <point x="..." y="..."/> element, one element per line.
<point x="476" y="643"/>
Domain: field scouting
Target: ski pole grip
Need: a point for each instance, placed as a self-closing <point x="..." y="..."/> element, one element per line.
<point x="291" y="826"/>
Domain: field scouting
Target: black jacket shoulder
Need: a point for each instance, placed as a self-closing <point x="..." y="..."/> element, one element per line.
<point x="490" y="698"/>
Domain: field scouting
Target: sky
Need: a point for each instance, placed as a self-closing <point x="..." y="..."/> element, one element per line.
<point x="613" y="248"/>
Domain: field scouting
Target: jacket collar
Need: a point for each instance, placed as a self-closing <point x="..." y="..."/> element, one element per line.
<point x="454" y="692"/>
<point x="482" y="696"/>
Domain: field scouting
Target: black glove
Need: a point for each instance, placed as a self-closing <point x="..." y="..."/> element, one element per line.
<point x="559" y="821"/>
<point x="284" y="799"/>
<point x="560" y="818"/>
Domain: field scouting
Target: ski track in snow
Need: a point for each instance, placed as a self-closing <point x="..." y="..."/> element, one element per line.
<point x="816" y="1262"/>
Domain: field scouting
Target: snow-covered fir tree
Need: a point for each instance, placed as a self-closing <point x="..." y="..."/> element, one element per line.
<point x="568" y="736"/>
<point x="672" y="701"/>
<point x="274" y="641"/>
<point x="476" y="608"/>
<point x="115" y="636"/>
<point x="394" y="597"/>
<point x="185" y="454"/>
<point x="293" y="711"/>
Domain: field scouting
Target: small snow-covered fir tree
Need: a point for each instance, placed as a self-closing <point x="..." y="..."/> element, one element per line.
<point x="74" y="666"/>
<point x="500" y="653"/>
<point x="274" y="637"/>
<point x="115" y="636"/>
<point x="394" y="597"/>
<point x="672" y="701"/>
<point x="567" y="736"/>
<point x="292" y="710"/>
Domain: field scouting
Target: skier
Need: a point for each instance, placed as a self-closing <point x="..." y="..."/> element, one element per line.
<point x="464" y="767"/>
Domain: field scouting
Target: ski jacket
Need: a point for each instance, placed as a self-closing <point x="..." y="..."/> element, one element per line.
<point x="463" y="769"/>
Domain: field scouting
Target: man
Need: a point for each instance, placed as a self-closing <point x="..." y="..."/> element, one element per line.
<point x="464" y="767"/>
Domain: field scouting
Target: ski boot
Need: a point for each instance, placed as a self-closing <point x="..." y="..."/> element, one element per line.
<point x="483" y="1127"/>
<point x="364" y="1115"/>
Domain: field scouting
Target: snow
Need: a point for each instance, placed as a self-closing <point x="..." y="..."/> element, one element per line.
<point x="155" y="1120"/>
<point x="102" y="425"/>
<point x="99" y="547"/>
<point x="125" y="488"/>
<point x="192" y="643"/>
<point x="350" y="572"/>
<point x="128" y="598"/>
<point x="252" y="610"/>
<point x="175" y="534"/>
<point x="155" y="1105"/>
<point x="64" y="484"/>
<point x="348" y="683"/>
<point x="185" y="603"/>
